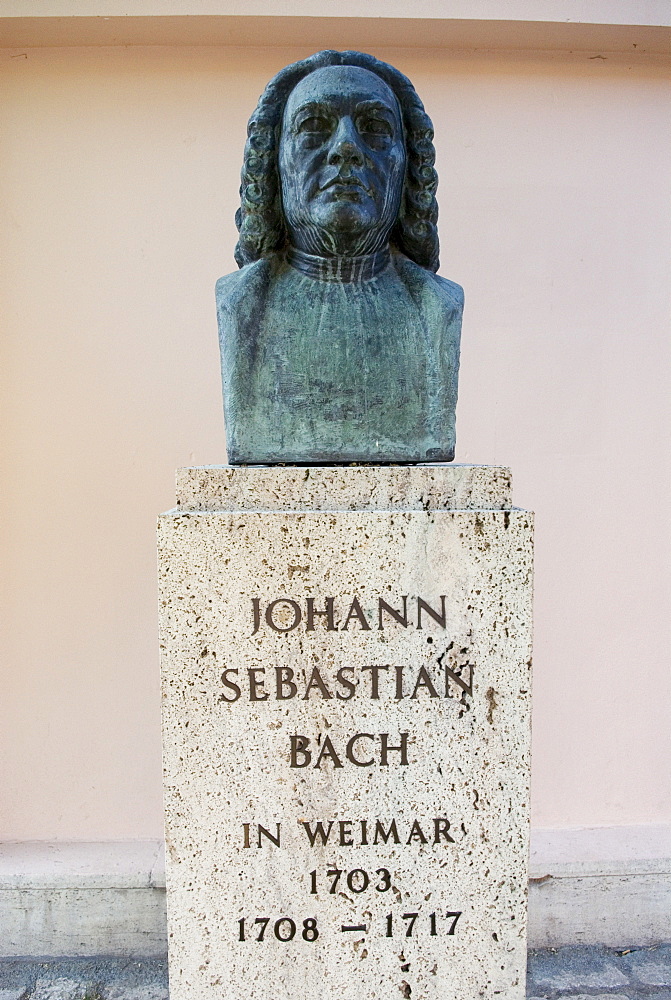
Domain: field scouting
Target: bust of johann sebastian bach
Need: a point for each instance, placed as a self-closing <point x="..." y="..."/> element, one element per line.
<point x="339" y="342"/>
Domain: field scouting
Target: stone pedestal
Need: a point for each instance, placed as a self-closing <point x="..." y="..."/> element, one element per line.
<point x="346" y="693"/>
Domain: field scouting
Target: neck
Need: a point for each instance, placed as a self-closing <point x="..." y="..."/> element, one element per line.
<point x="340" y="268"/>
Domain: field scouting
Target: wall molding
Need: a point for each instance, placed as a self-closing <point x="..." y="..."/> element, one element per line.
<point x="638" y="38"/>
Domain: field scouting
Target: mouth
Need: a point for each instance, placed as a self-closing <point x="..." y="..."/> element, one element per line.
<point x="344" y="192"/>
<point x="346" y="186"/>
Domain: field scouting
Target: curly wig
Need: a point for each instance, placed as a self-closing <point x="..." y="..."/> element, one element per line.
<point x="260" y="220"/>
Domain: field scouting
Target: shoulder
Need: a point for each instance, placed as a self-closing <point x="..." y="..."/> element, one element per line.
<point x="244" y="285"/>
<point x="432" y="288"/>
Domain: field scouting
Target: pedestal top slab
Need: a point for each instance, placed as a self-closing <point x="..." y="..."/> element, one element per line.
<point x="362" y="487"/>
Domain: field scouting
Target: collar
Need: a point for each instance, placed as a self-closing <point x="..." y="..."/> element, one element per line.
<point x="342" y="269"/>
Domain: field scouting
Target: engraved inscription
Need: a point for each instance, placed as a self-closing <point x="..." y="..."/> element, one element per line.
<point x="284" y="614"/>
<point x="451" y="676"/>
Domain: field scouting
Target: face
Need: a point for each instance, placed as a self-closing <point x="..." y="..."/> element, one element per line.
<point x="341" y="161"/>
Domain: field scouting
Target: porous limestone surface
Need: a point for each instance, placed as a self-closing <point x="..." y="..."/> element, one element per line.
<point x="357" y="487"/>
<point x="346" y="752"/>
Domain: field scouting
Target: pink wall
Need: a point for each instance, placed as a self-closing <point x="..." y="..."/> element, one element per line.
<point x="118" y="185"/>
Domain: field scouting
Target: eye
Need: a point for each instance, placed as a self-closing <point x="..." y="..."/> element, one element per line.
<point x="314" y="125"/>
<point x="375" y="126"/>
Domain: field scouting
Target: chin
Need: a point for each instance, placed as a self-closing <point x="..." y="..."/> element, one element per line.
<point x="346" y="217"/>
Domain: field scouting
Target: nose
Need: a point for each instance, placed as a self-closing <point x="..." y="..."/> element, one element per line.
<point x="346" y="145"/>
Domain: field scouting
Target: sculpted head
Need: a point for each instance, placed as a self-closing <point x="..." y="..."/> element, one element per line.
<point x="339" y="161"/>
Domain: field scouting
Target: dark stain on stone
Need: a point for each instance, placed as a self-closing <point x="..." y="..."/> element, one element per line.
<point x="493" y="703"/>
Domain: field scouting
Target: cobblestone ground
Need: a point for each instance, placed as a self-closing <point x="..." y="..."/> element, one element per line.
<point x="554" y="974"/>
<point x="600" y="973"/>
<point x="84" y="979"/>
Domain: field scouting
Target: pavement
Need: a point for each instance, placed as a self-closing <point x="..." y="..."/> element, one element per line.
<point x="578" y="973"/>
<point x="600" y="973"/>
<point x="84" y="979"/>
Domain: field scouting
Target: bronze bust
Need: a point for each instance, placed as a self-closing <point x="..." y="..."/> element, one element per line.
<point x="339" y="342"/>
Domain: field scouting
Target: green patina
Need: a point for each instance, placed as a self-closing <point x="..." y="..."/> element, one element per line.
<point x="339" y="343"/>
